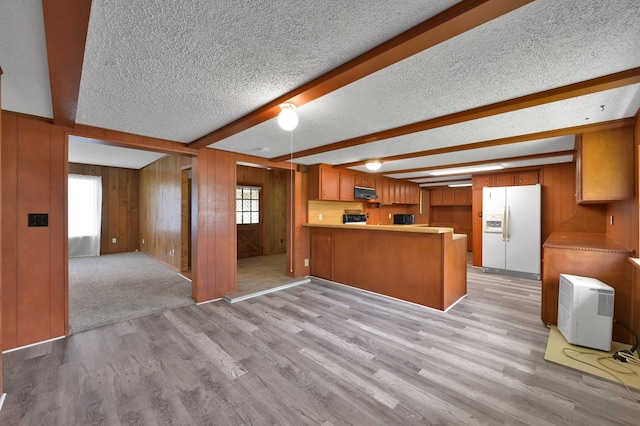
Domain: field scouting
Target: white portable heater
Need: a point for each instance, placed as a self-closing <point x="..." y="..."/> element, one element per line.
<point x="585" y="311"/>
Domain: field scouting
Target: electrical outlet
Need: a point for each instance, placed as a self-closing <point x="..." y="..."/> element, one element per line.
<point x="113" y="240"/>
<point x="143" y="241"/>
<point x="306" y="262"/>
<point x="172" y="252"/>
<point x="389" y="215"/>
<point x="320" y="217"/>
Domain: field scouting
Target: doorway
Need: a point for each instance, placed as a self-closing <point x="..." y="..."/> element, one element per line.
<point x="262" y="246"/>
<point x="146" y="227"/>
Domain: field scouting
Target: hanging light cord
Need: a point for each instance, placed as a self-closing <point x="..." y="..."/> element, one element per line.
<point x="291" y="201"/>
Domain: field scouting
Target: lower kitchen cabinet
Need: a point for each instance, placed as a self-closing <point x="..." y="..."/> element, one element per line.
<point x="589" y="255"/>
<point x="322" y="254"/>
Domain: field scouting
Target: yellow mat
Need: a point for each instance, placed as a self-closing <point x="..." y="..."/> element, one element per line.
<point x="627" y="373"/>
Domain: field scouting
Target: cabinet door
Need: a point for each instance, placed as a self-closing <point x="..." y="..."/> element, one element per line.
<point x="436" y="197"/>
<point x="322" y="254"/>
<point x="462" y="196"/>
<point x="526" y="178"/>
<point x="346" y="185"/>
<point x="480" y="182"/>
<point x="383" y="189"/>
<point x="503" y="179"/>
<point x="364" y="180"/>
<point x="447" y="197"/>
<point x="329" y="184"/>
<point x="605" y="166"/>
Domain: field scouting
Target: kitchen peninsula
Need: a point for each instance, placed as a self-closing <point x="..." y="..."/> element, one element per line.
<point x="417" y="263"/>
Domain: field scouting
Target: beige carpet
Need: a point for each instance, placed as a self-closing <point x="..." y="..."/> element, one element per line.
<point x="591" y="361"/>
<point x="117" y="287"/>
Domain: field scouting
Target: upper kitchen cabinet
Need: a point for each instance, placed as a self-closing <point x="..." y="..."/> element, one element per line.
<point x="324" y="183"/>
<point x="526" y="178"/>
<point x="604" y="166"/>
<point x="364" y="180"/>
<point x="502" y="179"/>
<point x="347" y="182"/>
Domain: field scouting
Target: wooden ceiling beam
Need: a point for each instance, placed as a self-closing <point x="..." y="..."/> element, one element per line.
<point x="477" y="163"/>
<point x="595" y="127"/>
<point x="66" y="24"/>
<point x="454" y="21"/>
<point x="607" y="82"/>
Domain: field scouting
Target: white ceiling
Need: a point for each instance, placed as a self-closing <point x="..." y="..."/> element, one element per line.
<point x="179" y="70"/>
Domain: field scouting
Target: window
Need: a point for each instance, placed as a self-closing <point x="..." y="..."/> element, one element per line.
<point x="247" y="205"/>
<point x="85" y="211"/>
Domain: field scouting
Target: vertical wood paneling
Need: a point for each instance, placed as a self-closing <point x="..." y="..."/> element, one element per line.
<point x="273" y="199"/>
<point x="33" y="258"/>
<point x="58" y="229"/>
<point x="1" y="205"/>
<point x="34" y="244"/>
<point x="216" y="245"/>
<point x="120" y="206"/>
<point x="9" y="229"/>
<point x="635" y="304"/>
<point x="161" y="209"/>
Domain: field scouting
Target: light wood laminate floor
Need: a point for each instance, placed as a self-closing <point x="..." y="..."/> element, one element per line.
<point x="317" y="354"/>
<point x="259" y="274"/>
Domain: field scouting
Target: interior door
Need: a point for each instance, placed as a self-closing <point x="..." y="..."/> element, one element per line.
<point x="249" y="240"/>
<point x="493" y="226"/>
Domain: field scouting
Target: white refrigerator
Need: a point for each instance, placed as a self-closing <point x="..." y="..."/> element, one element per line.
<point x="511" y="230"/>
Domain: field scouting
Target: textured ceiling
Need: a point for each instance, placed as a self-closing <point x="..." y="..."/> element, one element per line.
<point x="179" y="70"/>
<point x="89" y="151"/>
<point x="195" y="66"/>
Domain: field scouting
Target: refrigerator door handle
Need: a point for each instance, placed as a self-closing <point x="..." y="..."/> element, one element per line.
<point x="503" y="224"/>
<point x="506" y="220"/>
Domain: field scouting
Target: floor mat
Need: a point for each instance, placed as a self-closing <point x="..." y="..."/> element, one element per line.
<point x="591" y="361"/>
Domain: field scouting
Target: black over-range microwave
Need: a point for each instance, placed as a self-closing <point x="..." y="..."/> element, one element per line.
<point x="403" y="219"/>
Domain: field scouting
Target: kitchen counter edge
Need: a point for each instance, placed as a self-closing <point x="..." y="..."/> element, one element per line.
<point x="421" y="229"/>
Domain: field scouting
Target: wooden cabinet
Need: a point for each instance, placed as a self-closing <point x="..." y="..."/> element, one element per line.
<point x="324" y="183"/>
<point x="322" y="254"/>
<point x="347" y="182"/>
<point x="462" y="196"/>
<point x="481" y="181"/>
<point x="526" y="178"/>
<point x="590" y="255"/>
<point x="605" y="166"/>
<point x="364" y="180"/>
<point x="450" y="196"/>
<point x="502" y="179"/>
<point x="435" y="195"/>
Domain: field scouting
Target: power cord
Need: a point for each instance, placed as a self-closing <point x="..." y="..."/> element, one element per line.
<point x="608" y="370"/>
<point x="626" y="355"/>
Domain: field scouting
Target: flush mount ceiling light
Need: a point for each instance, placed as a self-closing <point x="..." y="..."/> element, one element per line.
<point x="373" y="165"/>
<point x="463" y="170"/>
<point x="288" y="118"/>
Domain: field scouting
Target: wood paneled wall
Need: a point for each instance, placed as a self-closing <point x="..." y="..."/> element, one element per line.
<point x="34" y="261"/>
<point x="1" y="391"/>
<point x="120" y="206"/>
<point x="560" y="212"/>
<point x="635" y="303"/>
<point x="215" y="261"/>
<point x="161" y="209"/>
<point x="273" y="198"/>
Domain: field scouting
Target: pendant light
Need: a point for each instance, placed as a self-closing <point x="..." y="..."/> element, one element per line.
<point x="288" y="119"/>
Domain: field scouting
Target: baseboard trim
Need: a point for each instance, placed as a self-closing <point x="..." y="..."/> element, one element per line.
<point x="33" y="344"/>
<point x="267" y="291"/>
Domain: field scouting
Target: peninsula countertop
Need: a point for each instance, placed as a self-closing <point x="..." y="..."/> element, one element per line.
<point x="416" y="228"/>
